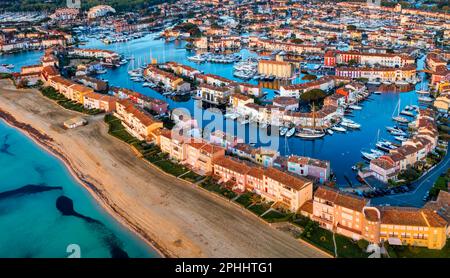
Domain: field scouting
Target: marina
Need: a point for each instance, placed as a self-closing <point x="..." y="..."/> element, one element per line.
<point x="341" y="148"/>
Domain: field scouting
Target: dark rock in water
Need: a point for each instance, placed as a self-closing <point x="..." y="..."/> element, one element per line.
<point x="4" y="147"/>
<point x="118" y="253"/>
<point x="27" y="189"/>
<point x="65" y="206"/>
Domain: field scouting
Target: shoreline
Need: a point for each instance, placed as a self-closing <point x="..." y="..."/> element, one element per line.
<point x="94" y="192"/>
<point x="174" y="217"/>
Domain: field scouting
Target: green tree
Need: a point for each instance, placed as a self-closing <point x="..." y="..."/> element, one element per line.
<point x="313" y="95"/>
<point x="309" y="77"/>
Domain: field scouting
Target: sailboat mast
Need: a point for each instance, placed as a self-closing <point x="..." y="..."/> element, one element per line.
<point x="314" y="117"/>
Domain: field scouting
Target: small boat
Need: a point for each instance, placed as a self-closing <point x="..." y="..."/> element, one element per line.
<point x="355" y="107"/>
<point x="101" y="71"/>
<point x="351" y="125"/>
<point x="400" y="119"/>
<point x="197" y="59"/>
<point x="339" y="128"/>
<point x="407" y="113"/>
<point x="8" y="66"/>
<point x="398" y="133"/>
<point x="422" y="92"/>
<point x="400" y="138"/>
<point x="329" y="131"/>
<point x="290" y="132"/>
<point x="310" y="134"/>
<point x="394" y="128"/>
<point x="425" y="99"/>
<point x="368" y="156"/>
<point x="377" y="152"/>
<point x="147" y="84"/>
<point x="377" y="92"/>
<point x="283" y="131"/>
<point x="382" y="147"/>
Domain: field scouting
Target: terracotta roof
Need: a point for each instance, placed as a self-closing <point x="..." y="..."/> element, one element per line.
<point x="341" y="199"/>
<point x="307" y="207"/>
<point x="233" y="165"/>
<point x="296" y="183"/>
<point x="411" y="217"/>
<point x="256" y="173"/>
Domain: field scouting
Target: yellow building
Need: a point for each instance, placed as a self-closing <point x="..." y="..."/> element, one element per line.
<point x="279" y="69"/>
<point x="442" y="102"/>
<point x="412" y="226"/>
<point x="175" y="147"/>
<point x="140" y="124"/>
<point x="77" y="92"/>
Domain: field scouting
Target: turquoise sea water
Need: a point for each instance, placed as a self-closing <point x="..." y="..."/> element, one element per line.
<point x="31" y="225"/>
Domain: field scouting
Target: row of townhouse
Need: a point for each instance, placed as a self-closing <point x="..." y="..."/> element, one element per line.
<point x="157" y="106"/>
<point x="279" y="114"/>
<point x="137" y="122"/>
<point x="354" y="217"/>
<point x="167" y="79"/>
<point x="406" y="73"/>
<point x="217" y="42"/>
<point x="32" y="43"/>
<point x="333" y="58"/>
<point x="324" y="83"/>
<point x="180" y="69"/>
<point x="50" y="76"/>
<point x="415" y="149"/>
<point x="219" y="81"/>
<point x="107" y="56"/>
<point x="314" y="169"/>
<point x="94" y="83"/>
<point x="196" y="153"/>
<point x="289" y="189"/>
<point x="274" y="185"/>
<point x="272" y="45"/>
<point x="69" y="88"/>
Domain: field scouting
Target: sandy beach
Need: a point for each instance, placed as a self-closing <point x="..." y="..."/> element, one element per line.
<point x="174" y="216"/>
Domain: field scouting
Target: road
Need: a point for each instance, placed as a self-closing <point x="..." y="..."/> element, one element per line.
<point x="422" y="185"/>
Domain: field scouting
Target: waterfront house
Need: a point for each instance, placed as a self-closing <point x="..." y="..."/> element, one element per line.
<point x="155" y="105"/>
<point x="166" y="79"/>
<point x="342" y="213"/>
<point x="288" y="103"/>
<point x="200" y="156"/>
<point x="224" y="140"/>
<point x="231" y="171"/>
<point x="279" y="69"/>
<point x="315" y="169"/>
<point x="173" y="144"/>
<point x="139" y="123"/>
<point x="352" y="216"/>
<point x="93" y="100"/>
<point x="214" y="94"/>
<point x="94" y="83"/>
<point x="285" y="189"/>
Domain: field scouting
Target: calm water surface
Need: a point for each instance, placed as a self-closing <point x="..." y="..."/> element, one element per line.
<point x="30" y="224"/>
<point x="343" y="150"/>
